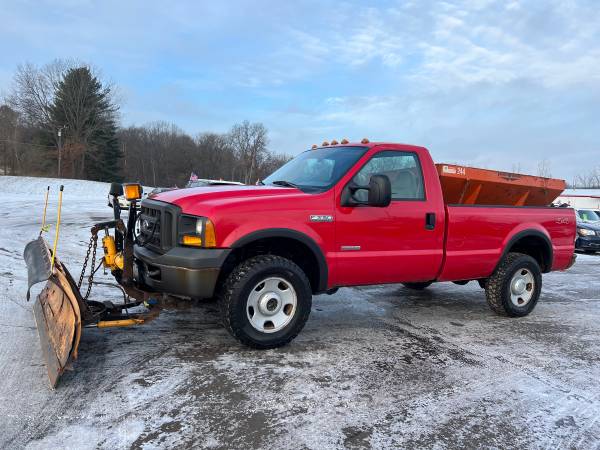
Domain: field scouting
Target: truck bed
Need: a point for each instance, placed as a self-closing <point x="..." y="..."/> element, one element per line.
<point x="473" y="186"/>
<point x="476" y="236"/>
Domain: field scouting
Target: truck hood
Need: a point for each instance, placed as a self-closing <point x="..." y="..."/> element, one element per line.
<point x="221" y="195"/>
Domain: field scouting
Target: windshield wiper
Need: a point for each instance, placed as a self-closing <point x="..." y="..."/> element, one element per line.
<point x="285" y="183"/>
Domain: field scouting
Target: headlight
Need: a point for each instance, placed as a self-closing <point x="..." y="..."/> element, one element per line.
<point x="196" y="231"/>
<point x="585" y="232"/>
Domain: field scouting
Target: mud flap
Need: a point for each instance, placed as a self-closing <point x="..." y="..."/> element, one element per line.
<point x="57" y="310"/>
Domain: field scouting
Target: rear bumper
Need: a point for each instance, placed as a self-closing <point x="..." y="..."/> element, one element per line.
<point x="588" y="243"/>
<point x="191" y="272"/>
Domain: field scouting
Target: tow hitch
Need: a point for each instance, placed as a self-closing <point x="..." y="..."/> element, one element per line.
<point x="60" y="310"/>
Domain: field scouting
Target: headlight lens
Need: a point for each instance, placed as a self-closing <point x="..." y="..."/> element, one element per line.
<point x="585" y="232"/>
<point x="196" y="231"/>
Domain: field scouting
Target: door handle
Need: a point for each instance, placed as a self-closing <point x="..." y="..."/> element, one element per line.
<point x="429" y="221"/>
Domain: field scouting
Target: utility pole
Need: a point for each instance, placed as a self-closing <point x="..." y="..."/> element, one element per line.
<point x="60" y="130"/>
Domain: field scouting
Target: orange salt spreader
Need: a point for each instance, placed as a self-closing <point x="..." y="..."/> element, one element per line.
<point x="473" y="186"/>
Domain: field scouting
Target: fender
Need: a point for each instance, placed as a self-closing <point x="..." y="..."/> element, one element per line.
<point x="515" y="237"/>
<point x="290" y="234"/>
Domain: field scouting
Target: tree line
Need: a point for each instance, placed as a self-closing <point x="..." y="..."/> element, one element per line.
<point x="62" y="120"/>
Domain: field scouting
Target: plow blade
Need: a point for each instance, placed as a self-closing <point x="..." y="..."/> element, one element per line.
<point x="57" y="310"/>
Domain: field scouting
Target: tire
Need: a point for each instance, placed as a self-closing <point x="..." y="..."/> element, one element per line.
<point x="505" y="294"/>
<point x="265" y="317"/>
<point x="417" y="286"/>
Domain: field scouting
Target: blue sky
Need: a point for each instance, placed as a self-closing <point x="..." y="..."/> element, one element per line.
<point x="496" y="84"/>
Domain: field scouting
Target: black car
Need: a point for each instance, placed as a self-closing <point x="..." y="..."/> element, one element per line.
<point x="588" y="236"/>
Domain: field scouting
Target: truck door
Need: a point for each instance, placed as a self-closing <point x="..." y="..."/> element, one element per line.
<point x="400" y="242"/>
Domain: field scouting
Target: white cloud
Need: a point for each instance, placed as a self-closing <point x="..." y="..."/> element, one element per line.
<point x="476" y="80"/>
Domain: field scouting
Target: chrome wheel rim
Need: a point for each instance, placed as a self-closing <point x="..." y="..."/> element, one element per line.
<point x="522" y="287"/>
<point x="271" y="305"/>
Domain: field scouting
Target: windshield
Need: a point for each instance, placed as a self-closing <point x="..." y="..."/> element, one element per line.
<point x="316" y="170"/>
<point x="587" y="215"/>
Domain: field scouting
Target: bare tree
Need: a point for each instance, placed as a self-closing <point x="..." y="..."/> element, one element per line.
<point x="249" y="140"/>
<point x="34" y="89"/>
<point x="589" y="180"/>
<point x="9" y="135"/>
<point x="543" y="169"/>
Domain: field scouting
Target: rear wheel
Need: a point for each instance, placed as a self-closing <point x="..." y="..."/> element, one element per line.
<point x="514" y="288"/>
<point x="417" y="286"/>
<point x="265" y="301"/>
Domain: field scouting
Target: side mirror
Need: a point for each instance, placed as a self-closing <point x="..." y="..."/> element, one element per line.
<point x="380" y="191"/>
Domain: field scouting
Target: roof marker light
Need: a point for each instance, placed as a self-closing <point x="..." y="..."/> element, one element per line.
<point x="364" y="141"/>
<point x="325" y="144"/>
<point x="344" y="141"/>
<point x="314" y="146"/>
<point x="334" y="142"/>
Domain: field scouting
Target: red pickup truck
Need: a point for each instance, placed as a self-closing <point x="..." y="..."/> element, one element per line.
<point x="341" y="215"/>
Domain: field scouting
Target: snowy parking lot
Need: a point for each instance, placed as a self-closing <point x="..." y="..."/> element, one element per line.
<point x="374" y="367"/>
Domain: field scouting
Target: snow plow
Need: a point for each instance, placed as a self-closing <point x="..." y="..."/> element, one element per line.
<point x="61" y="311"/>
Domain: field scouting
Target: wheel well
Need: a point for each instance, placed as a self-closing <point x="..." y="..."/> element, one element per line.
<point x="289" y="248"/>
<point x="535" y="246"/>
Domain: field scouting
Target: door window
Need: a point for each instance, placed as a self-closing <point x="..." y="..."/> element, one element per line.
<point x="403" y="170"/>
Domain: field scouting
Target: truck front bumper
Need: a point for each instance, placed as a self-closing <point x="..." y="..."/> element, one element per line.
<point x="190" y="272"/>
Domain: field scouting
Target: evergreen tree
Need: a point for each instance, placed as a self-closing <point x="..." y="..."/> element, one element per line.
<point x="85" y="108"/>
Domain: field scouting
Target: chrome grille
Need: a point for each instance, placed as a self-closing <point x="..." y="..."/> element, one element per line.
<point x="150" y="229"/>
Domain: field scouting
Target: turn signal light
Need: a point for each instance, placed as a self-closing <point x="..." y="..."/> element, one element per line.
<point x="132" y="191"/>
<point x="210" y="237"/>
<point x="195" y="241"/>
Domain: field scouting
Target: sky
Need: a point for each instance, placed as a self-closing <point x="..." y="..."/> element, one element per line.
<point x="498" y="84"/>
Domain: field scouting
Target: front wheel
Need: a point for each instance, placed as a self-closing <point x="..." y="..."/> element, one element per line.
<point x="265" y="301"/>
<point x="514" y="288"/>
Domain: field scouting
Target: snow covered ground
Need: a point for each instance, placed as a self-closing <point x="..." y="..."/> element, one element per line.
<point x="374" y="367"/>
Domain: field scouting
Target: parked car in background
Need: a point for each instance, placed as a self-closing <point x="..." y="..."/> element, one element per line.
<point x="587" y="215"/>
<point x="201" y="182"/>
<point x="123" y="202"/>
<point x="588" y="231"/>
